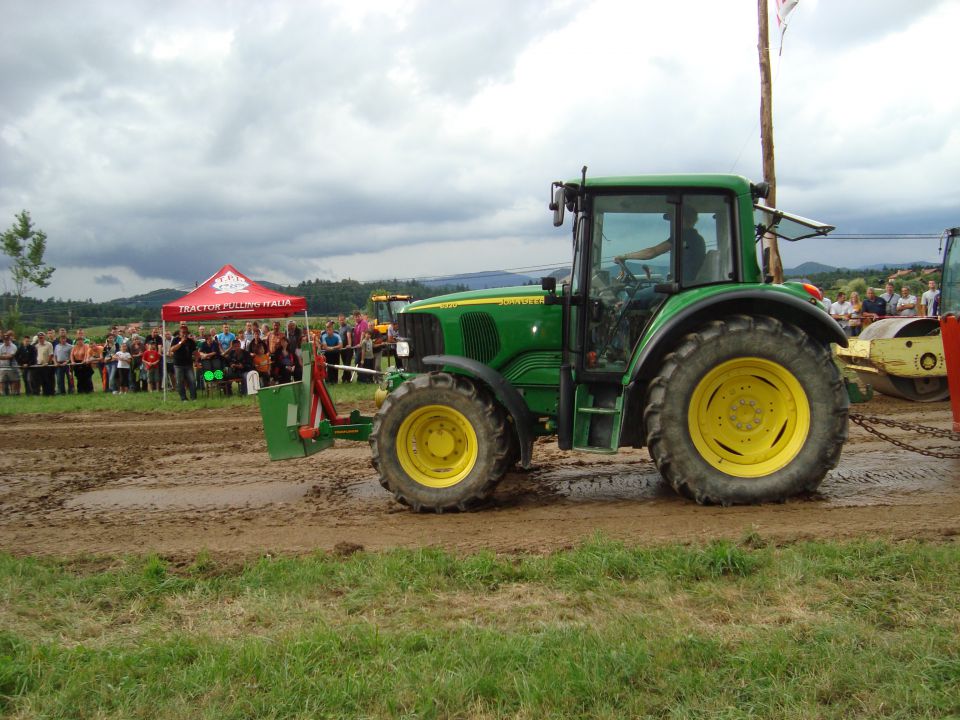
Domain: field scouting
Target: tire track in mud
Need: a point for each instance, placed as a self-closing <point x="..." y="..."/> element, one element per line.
<point x="177" y="484"/>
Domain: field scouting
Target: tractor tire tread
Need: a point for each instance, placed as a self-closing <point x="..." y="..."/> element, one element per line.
<point x="436" y="388"/>
<point x="663" y="438"/>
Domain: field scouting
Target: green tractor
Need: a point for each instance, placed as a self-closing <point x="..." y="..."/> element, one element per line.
<point x="665" y="334"/>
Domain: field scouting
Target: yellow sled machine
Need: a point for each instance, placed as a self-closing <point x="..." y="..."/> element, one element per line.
<point x="902" y="357"/>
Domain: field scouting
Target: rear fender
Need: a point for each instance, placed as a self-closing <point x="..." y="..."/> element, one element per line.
<point x="806" y="315"/>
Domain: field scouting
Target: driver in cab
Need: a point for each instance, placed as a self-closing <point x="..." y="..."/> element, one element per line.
<point x="694" y="246"/>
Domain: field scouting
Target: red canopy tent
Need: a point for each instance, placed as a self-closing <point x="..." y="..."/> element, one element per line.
<point x="228" y="293"/>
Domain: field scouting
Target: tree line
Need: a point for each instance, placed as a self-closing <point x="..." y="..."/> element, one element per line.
<point x="848" y="280"/>
<point x="324" y="298"/>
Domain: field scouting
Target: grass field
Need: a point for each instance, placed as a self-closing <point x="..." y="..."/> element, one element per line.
<point x="342" y="394"/>
<point x="727" y="630"/>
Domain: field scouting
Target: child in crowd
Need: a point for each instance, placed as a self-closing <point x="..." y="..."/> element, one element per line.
<point x="366" y="355"/>
<point x="123" y="358"/>
<point x="151" y="366"/>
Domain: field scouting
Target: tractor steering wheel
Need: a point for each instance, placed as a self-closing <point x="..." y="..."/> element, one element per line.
<point x="627" y="277"/>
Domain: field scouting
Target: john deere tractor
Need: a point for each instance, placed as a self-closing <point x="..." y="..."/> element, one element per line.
<point x="665" y="333"/>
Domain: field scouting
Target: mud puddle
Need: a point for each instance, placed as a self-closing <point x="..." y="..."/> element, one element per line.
<point x="194" y="497"/>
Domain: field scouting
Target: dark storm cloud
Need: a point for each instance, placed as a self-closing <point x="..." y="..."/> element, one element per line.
<point x="163" y="140"/>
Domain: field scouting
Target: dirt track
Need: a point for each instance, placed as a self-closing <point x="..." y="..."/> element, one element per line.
<point x="176" y="484"/>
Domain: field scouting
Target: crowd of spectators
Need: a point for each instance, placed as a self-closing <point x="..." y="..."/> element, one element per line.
<point x="854" y="314"/>
<point x="125" y="360"/>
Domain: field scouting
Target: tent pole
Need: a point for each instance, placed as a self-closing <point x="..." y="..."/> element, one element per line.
<point x="163" y="350"/>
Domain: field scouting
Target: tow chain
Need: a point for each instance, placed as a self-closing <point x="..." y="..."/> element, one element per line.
<point x="862" y="421"/>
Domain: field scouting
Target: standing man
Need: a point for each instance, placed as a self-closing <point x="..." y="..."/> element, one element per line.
<point x="155" y="338"/>
<point x="61" y="363"/>
<point x="168" y="355"/>
<point x="183" y="349"/>
<point x="294" y="335"/>
<point x="9" y="375"/>
<point x="44" y="373"/>
<point x="906" y="303"/>
<point x="929" y="299"/>
<point x="840" y="311"/>
<point x="346" y="350"/>
<point x="331" y="344"/>
<point x="873" y="307"/>
<point x="247" y="336"/>
<point x="273" y="338"/>
<point x="360" y="328"/>
<point x="225" y="339"/>
<point x="393" y="334"/>
<point x="826" y="302"/>
<point x="26" y="359"/>
<point x="890" y="298"/>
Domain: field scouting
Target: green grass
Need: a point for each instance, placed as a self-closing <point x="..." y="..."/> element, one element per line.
<point x="856" y="629"/>
<point x="344" y="395"/>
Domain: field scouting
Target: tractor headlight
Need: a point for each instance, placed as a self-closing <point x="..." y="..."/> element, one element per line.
<point x="403" y="348"/>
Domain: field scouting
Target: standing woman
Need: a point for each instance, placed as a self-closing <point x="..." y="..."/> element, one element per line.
<point x="110" y="363"/>
<point x="856" y="313"/>
<point x="79" y="357"/>
<point x="284" y="361"/>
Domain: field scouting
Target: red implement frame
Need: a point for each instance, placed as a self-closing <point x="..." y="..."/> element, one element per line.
<point x="321" y="399"/>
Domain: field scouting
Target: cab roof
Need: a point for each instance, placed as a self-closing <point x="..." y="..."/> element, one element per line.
<point x="713" y="181"/>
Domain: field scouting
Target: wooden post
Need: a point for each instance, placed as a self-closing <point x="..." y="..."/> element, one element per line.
<point x="766" y="133"/>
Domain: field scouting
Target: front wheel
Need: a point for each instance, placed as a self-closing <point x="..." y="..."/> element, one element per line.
<point x="746" y="410"/>
<point x="440" y="443"/>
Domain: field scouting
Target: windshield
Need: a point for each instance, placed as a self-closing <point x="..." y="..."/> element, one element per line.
<point x="787" y="226"/>
<point x="387" y="312"/>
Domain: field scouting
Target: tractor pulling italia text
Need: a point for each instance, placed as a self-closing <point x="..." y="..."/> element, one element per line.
<point x="664" y="334"/>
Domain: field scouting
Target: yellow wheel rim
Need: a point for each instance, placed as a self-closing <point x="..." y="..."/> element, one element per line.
<point x="749" y="417"/>
<point x="437" y="446"/>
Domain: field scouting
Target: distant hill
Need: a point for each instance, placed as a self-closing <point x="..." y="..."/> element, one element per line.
<point x="807" y="268"/>
<point x="483" y="280"/>
<point x="899" y="266"/>
<point x="154" y="298"/>
<point x="158" y="298"/>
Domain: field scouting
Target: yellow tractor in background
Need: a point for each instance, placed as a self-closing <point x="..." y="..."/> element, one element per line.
<point x="386" y="309"/>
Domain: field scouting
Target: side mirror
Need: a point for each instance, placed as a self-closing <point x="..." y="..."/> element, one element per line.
<point x="557" y="204"/>
<point x="549" y="284"/>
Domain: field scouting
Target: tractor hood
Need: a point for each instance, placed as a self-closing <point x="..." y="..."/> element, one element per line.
<point x="493" y="297"/>
<point x="513" y="330"/>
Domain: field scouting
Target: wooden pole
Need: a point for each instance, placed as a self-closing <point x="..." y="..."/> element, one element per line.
<point x="766" y="134"/>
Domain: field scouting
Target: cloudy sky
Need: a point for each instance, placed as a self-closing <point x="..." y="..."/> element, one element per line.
<point x="154" y="142"/>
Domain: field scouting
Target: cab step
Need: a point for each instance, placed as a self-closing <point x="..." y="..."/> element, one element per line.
<point x="596" y="422"/>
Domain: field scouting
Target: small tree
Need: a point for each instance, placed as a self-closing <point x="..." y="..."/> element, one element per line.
<point x="25" y="248"/>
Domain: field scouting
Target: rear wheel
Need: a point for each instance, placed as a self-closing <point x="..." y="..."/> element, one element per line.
<point x="746" y="410"/>
<point x="440" y="443"/>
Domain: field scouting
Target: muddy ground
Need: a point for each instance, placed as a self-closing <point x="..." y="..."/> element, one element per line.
<point x="177" y="484"/>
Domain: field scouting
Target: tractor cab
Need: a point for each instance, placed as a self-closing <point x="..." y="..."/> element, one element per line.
<point x="636" y="251"/>
<point x="950" y="278"/>
<point x="386" y="309"/>
<point x="655" y="258"/>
